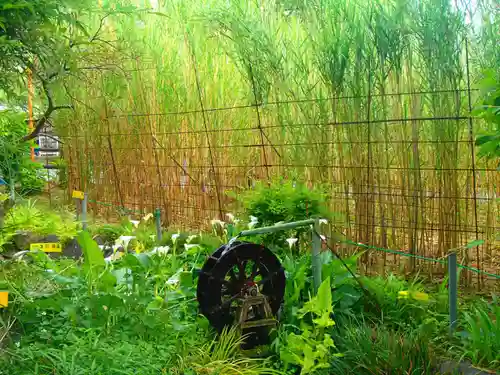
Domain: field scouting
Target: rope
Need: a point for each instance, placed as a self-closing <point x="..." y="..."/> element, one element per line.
<point x="117" y="206"/>
<point x="405" y="254"/>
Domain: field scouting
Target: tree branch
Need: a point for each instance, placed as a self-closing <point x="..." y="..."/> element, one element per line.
<point x="39" y="124"/>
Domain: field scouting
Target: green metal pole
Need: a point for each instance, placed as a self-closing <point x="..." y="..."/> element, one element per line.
<point x="453" y="290"/>
<point x="316" y="259"/>
<point x="158" y="224"/>
<point x="84" y="210"/>
<point x="276" y="228"/>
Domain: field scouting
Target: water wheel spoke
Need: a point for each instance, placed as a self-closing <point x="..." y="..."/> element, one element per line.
<point x="232" y="275"/>
<point x="241" y="269"/>
<point x="255" y="271"/>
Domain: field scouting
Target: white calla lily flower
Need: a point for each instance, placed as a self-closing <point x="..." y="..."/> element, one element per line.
<point x="217" y="222"/>
<point x="160" y="250"/>
<point x="188" y="246"/>
<point x="323" y="221"/>
<point x="291" y="241"/>
<point x="192" y="237"/>
<point x="123" y="241"/>
<point x="175" y="237"/>
<point x="135" y="222"/>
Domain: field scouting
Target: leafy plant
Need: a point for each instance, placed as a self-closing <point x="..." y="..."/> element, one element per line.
<point x="33" y="217"/>
<point x="282" y="201"/>
<point x="377" y="349"/>
<point x="489" y="110"/>
<point x="482" y="337"/>
<point x="222" y="356"/>
<point x="311" y="347"/>
<point x="16" y="168"/>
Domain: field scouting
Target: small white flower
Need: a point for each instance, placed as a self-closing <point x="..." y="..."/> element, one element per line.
<point x="323" y="221"/>
<point x="190" y="238"/>
<point x="175" y="236"/>
<point x="147" y="217"/>
<point x="135" y="222"/>
<point x="160" y="250"/>
<point x="123" y="241"/>
<point x="174" y="280"/>
<point x="253" y="222"/>
<point x="323" y="238"/>
<point x="217" y="222"/>
<point x="230" y="217"/>
<point x="190" y="246"/>
<point x="291" y="241"/>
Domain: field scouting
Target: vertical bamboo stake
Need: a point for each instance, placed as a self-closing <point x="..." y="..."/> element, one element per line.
<point x="369" y="201"/>
<point x="30" y="109"/>
<point x="205" y="125"/>
<point x="473" y="156"/>
<point x="264" y="155"/>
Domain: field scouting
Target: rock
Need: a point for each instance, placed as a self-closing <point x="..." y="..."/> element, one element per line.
<point x="462" y="368"/>
<point x="72" y="249"/>
<point x="23" y="239"/>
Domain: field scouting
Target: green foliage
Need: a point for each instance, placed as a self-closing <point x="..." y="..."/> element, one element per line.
<point x="489" y="110"/>
<point x="369" y="349"/>
<point x="282" y="201"/>
<point x="38" y="30"/>
<point x="482" y="339"/>
<point x="91" y="308"/>
<point x="30" y="216"/>
<point x="16" y="166"/>
<point x="311" y="348"/>
<point x="223" y="356"/>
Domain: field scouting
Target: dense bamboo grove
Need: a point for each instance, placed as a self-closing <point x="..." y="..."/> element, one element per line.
<point x="369" y="97"/>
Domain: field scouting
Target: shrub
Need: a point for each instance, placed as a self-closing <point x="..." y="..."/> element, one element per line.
<point x="15" y="164"/>
<point x="282" y="201"/>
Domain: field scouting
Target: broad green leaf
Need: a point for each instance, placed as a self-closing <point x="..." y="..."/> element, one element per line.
<point x="474" y="243"/>
<point x="324" y="297"/>
<point x="93" y="257"/>
<point x="309" y="360"/>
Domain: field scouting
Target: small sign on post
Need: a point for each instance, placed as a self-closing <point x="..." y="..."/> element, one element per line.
<point x="77" y="194"/>
<point x="83" y="197"/>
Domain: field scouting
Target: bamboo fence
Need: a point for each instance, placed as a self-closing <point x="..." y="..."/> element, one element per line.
<point x="193" y="114"/>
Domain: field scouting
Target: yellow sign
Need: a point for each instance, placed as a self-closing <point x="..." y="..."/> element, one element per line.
<point x="50" y="247"/>
<point x="77" y="194"/>
<point x="4" y="299"/>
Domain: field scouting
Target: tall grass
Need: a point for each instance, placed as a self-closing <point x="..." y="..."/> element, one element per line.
<point x="314" y="86"/>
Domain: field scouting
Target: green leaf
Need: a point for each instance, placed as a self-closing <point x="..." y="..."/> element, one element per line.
<point x="324" y="297"/>
<point x="309" y="359"/>
<point x="186" y="279"/>
<point x="474" y="243"/>
<point x="93" y="257"/>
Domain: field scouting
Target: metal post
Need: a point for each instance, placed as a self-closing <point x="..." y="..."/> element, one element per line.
<point x="84" y="211"/>
<point x="316" y="259"/>
<point x="453" y="290"/>
<point x="158" y="224"/>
